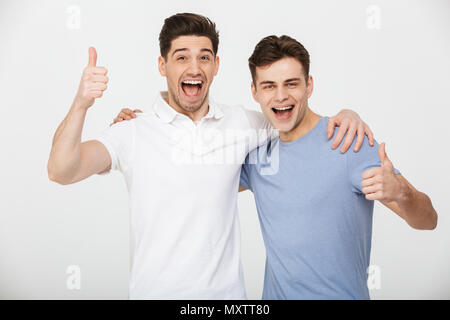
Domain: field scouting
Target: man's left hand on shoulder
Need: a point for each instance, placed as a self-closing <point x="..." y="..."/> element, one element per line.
<point x="348" y="122"/>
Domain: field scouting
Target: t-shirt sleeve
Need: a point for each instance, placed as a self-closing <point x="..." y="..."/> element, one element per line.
<point x="245" y="175"/>
<point x="358" y="162"/>
<point x="118" y="139"/>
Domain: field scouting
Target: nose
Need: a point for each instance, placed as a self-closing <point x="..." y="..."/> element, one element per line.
<point x="194" y="69"/>
<point x="281" y="94"/>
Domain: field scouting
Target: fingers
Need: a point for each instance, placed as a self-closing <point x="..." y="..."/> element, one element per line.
<point x="359" y="139"/>
<point x="92" y="78"/>
<point x="91" y="85"/>
<point x="96" y="94"/>
<point x="125" y="114"/>
<point x="98" y="86"/>
<point x="99" y="78"/>
<point x="340" y="134"/>
<point x="369" y="134"/>
<point x="96" y="70"/>
<point x="370" y="181"/>
<point x="116" y="119"/>
<point x="92" y="57"/>
<point x="375" y="196"/>
<point x="371" y="172"/>
<point x="371" y="189"/>
<point x="330" y="128"/>
<point x="349" y="138"/>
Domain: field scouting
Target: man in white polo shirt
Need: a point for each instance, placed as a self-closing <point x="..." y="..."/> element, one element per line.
<point x="181" y="161"/>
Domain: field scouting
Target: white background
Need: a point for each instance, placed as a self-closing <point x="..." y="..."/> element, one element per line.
<point x="392" y="68"/>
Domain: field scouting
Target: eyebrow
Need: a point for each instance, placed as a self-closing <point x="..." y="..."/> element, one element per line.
<point x="186" y="49"/>
<point x="285" y="81"/>
<point x="292" y="79"/>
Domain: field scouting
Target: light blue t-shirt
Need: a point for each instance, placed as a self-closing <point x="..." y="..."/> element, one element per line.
<point x="315" y="221"/>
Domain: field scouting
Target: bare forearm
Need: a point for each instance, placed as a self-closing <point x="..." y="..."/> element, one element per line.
<point x="67" y="150"/>
<point x="65" y="153"/>
<point x="396" y="193"/>
<point x="416" y="208"/>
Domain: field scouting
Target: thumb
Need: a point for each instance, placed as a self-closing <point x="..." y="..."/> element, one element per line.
<point x="382" y="153"/>
<point x="383" y="156"/>
<point x="92" y="57"/>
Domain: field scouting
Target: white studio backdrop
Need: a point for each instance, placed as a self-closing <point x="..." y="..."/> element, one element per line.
<point x="388" y="60"/>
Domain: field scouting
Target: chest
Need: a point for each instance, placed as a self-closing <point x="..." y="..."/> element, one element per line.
<point x="302" y="182"/>
<point x="179" y="158"/>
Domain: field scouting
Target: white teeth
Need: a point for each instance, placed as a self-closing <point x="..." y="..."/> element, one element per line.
<point x="283" y="108"/>
<point x="192" y="82"/>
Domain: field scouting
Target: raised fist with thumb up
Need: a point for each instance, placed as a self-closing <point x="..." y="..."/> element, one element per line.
<point x="381" y="183"/>
<point x="93" y="82"/>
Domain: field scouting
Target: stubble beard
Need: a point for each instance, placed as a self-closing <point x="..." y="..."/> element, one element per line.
<point x="185" y="107"/>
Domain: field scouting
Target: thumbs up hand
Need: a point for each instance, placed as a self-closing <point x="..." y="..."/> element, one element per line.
<point x="93" y="82"/>
<point x="381" y="183"/>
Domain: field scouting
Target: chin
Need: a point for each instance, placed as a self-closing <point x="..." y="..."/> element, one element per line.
<point x="190" y="107"/>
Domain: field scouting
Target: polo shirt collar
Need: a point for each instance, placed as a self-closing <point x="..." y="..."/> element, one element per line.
<point x="167" y="114"/>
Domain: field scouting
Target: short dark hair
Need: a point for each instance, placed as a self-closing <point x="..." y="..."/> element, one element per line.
<point x="272" y="48"/>
<point x="186" y="24"/>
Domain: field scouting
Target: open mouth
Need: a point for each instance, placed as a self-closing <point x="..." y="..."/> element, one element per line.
<point x="192" y="88"/>
<point x="283" y="112"/>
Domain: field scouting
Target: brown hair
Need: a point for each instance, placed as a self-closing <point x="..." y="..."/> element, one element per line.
<point x="272" y="48"/>
<point x="186" y="24"/>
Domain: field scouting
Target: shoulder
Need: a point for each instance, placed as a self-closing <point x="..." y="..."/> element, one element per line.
<point x="229" y="110"/>
<point x="264" y="153"/>
<point x="253" y="117"/>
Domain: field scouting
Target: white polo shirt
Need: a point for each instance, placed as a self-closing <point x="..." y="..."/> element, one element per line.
<point x="183" y="182"/>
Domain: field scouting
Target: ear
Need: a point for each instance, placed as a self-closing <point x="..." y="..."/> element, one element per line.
<point x="162" y="66"/>
<point x="310" y="86"/>
<point x="254" y="92"/>
<point x="217" y="65"/>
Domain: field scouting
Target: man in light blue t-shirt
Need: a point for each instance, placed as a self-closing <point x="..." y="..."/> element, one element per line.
<point x="315" y="204"/>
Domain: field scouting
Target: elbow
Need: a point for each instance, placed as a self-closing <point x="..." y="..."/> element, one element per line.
<point x="433" y="218"/>
<point x="54" y="176"/>
<point x="429" y="224"/>
<point x="433" y="221"/>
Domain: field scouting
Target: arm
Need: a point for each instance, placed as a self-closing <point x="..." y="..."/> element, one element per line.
<point x="396" y="193"/>
<point x="70" y="160"/>
<point x="347" y="121"/>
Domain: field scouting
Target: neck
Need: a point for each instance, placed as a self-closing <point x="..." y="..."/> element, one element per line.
<point x="305" y="125"/>
<point x="196" y="115"/>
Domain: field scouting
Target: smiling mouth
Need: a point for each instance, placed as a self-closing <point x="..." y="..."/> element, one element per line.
<point x="283" y="112"/>
<point x="192" y="88"/>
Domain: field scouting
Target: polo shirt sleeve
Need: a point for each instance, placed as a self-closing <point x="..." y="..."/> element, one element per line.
<point x="256" y="119"/>
<point x="260" y="129"/>
<point x="118" y="139"/>
<point x="358" y="162"/>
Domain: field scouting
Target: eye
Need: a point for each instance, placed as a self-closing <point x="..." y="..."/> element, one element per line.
<point x="292" y="84"/>
<point x="205" y="58"/>
<point x="181" y="58"/>
<point x="269" y="86"/>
